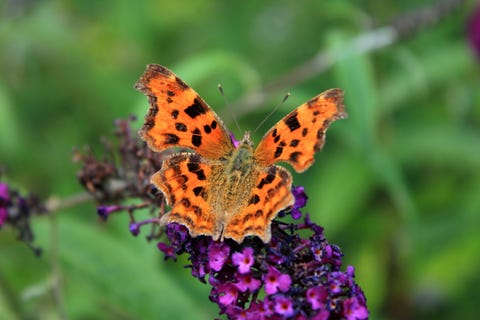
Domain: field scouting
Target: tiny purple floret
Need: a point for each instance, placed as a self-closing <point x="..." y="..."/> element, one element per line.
<point x="217" y="254"/>
<point x="244" y="260"/>
<point x="275" y="281"/>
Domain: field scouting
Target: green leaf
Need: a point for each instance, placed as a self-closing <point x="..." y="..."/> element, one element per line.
<point x="122" y="275"/>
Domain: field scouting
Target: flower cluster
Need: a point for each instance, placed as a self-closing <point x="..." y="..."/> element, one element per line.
<point x="16" y="211"/>
<point x="289" y="278"/>
<point x="292" y="277"/>
<point x="123" y="174"/>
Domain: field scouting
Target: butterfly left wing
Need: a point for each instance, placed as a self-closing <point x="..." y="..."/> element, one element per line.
<point x="178" y="116"/>
<point x="183" y="180"/>
<point x="297" y="137"/>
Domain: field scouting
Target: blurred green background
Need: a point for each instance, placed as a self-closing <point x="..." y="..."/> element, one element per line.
<point x="396" y="186"/>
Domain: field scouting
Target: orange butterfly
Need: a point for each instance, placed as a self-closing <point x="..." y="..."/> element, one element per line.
<point x="221" y="190"/>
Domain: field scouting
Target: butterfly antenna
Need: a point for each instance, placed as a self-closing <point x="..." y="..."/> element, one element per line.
<point x="220" y="88"/>
<point x="272" y="112"/>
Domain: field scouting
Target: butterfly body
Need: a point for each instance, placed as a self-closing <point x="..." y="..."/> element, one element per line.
<point x="219" y="189"/>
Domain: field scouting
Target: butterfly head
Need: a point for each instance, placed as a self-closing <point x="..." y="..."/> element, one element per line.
<point x="246" y="142"/>
<point x="242" y="155"/>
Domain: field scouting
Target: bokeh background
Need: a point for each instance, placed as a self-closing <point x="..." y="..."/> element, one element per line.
<point x="397" y="185"/>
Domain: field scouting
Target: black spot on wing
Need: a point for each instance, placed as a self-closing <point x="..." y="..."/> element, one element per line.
<point x="195" y="168"/>
<point x="197" y="191"/>
<point x="196" y="109"/>
<point x="171" y="138"/>
<point x="207" y="129"/>
<point x="304" y="132"/>
<point x="170" y="93"/>
<point x="294" y="142"/>
<point x="196" y="138"/>
<point x="268" y="179"/>
<point x="254" y="199"/>
<point x="185" y="202"/>
<point x="294" y="156"/>
<point x="292" y="122"/>
<point x="174" y="114"/>
<point x="180" y="127"/>
<point x="278" y="152"/>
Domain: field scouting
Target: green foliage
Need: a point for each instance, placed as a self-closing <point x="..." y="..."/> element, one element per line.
<point x="396" y="185"/>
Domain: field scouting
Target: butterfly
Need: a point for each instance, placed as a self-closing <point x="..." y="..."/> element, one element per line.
<point x="221" y="189"/>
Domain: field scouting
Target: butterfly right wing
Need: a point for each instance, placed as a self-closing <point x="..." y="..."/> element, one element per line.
<point x="272" y="193"/>
<point x="178" y="117"/>
<point x="300" y="134"/>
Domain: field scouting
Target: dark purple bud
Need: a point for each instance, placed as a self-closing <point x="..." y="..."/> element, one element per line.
<point x="104" y="211"/>
<point x="134" y="228"/>
<point x="169" y="251"/>
<point x="473" y="31"/>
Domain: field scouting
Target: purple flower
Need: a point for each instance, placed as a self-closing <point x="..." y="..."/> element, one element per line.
<point x="300" y="201"/>
<point x="274" y="281"/>
<point x="317" y="297"/>
<point x="354" y="310"/>
<point x="134" y="228"/>
<point x="243" y="260"/>
<point x="17" y="210"/>
<point x="217" y="255"/>
<point x="169" y="251"/>
<point x="321" y="315"/>
<point x="283" y="306"/>
<point x="104" y="211"/>
<point x="351" y="271"/>
<point x="291" y="277"/>
<point x="177" y="233"/>
<point x="473" y="30"/>
<point x="296" y="275"/>
<point x="227" y="294"/>
<point x="237" y="313"/>
<point x="260" y="310"/>
<point x="247" y="282"/>
<point x="4" y="194"/>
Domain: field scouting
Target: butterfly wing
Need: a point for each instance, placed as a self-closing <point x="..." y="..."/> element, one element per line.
<point x="270" y="195"/>
<point x="184" y="181"/>
<point x="178" y="117"/>
<point x="297" y="137"/>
